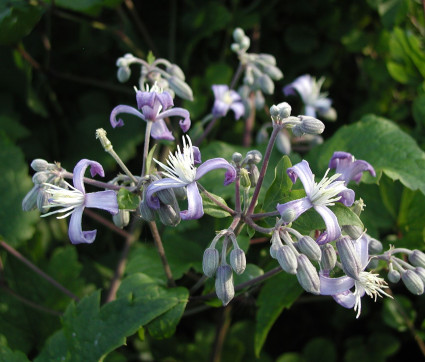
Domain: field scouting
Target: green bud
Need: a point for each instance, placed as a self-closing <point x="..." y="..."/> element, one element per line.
<point x="238" y="35"/>
<point x="245" y="43"/>
<point x="283" y="143"/>
<point x="307" y="275"/>
<point x="353" y="231"/>
<point x="245" y="180"/>
<point x="238" y="260"/>
<point x="236" y="157"/>
<point x="253" y="156"/>
<point x="328" y="258"/>
<point x="267" y="58"/>
<point x="180" y="193"/>
<point x="254" y="174"/>
<point x="259" y="100"/>
<point x="348" y="256"/>
<point x="417" y="258"/>
<point x="421" y="272"/>
<point x="310" y="248"/>
<point x="413" y="282"/>
<point x="394" y="276"/>
<point x="40" y="165"/>
<point x="311" y="125"/>
<point x="266" y="84"/>
<point x="288" y="216"/>
<point x="274" y="72"/>
<point x="30" y="200"/>
<point x="181" y="88"/>
<point x="146" y="213"/>
<point x="287" y="259"/>
<point x="41" y="177"/>
<point x="375" y="246"/>
<point x="123" y="74"/>
<point x="122" y="218"/>
<point x="169" y="215"/>
<point x="224" y="284"/>
<point x="210" y="261"/>
<point x="176" y="71"/>
<point x="167" y="196"/>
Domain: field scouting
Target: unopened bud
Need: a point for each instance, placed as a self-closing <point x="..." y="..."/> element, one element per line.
<point x="259" y="100"/>
<point x="353" y="231"/>
<point x="245" y="43"/>
<point x="41" y="177"/>
<point x="254" y="174"/>
<point x="310" y="248"/>
<point x="176" y="71"/>
<point x="374" y="246"/>
<point x="43" y="201"/>
<point x="236" y="157"/>
<point x="274" y="72"/>
<point x="122" y="218"/>
<point x="235" y="47"/>
<point x="413" y="282"/>
<point x="238" y="260"/>
<point x="166" y="196"/>
<point x="288" y="216"/>
<point x="311" y="125"/>
<point x="394" y="276"/>
<point x="30" y="200"/>
<point x="224" y="284"/>
<point x="330" y="114"/>
<point x="328" y="258"/>
<point x="169" y="215"/>
<point x="266" y="84"/>
<point x="146" y="213"/>
<point x="358" y="206"/>
<point x="287" y="259"/>
<point x="210" y="261"/>
<point x="417" y="258"/>
<point x="267" y="58"/>
<point x="181" y="88"/>
<point x="254" y="156"/>
<point x="349" y="258"/>
<point x="123" y="74"/>
<point x="39" y="165"/>
<point x="180" y="192"/>
<point x="245" y="180"/>
<point x="238" y="35"/>
<point x="280" y="111"/>
<point x="307" y="275"/>
<point x="421" y="272"/>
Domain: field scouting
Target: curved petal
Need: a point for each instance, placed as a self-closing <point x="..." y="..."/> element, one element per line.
<point x="79" y="170"/>
<point x="220" y="108"/>
<point x="303" y="171"/>
<point x="75" y="232"/>
<point x="333" y="231"/>
<point x="332" y="286"/>
<point x="347" y="197"/>
<point x="145" y="99"/>
<point x="298" y="206"/>
<point x="322" y="104"/>
<point x="356" y="169"/>
<point x="215" y="163"/>
<point x="195" y="209"/>
<point x="165" y="99"/>
<point x="340" y="158"/>
<point x="180" y="112"/>
<point x="219" y="90"/>
<point x="160" y="131"/>
<point x="362" y="249"/>
<point x="238" y="108"/>
<point x="123" y="109"/>
<point x="289" y="90"/>
<point x="346" y="299"/>
<point x="196" y="155"/>
<point x="165" y="183"/>
<point x="105" y="200"/>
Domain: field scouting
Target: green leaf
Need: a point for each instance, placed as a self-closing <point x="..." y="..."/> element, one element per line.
<point x="7" y="355"/>
<point x="90" y="7"/>
<point x="252" y="271"/>
<point x="16" y="225"/>
<point x="17" y="19"/>
<point x="149" y="159"/>
<point x="320" y="350"/>
<point x="127" y="200"/>
<point x="278" y="293"/>
<point x="211" y="208"/>
<point x="392" y="12"/>
<point x="395" y="311"/>
<point x="281" y="185"/>
<point x="384" y="145"/>
<point x="418" y="110"/>
<point x="90" y="332"/>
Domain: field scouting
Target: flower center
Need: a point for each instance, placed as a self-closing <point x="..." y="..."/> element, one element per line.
<point x="325" y="193"/>
<point x="227" y="98"/>
<point x="65" y="199"/>
<point x="181" y="165"/>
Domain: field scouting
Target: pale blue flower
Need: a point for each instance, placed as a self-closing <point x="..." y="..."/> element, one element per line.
<point x="226" y="99"/>
<point x="345" y="164"/>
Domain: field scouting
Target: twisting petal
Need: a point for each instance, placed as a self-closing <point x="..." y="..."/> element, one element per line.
<point x="195" y="209"/>
<point x="79" y="170"/>
<point x="349" y="168"/>
<point x="160" y="131"/>
<point x="216" y="163"/>
<point x="123" y="109"/>
<point x="165" y="183"/>
<point x="196" y="155"/>
<point x="75" y="232"/>
<point x="219" y="90"/>
<point x="332" y="286"/>
<point x="220" y="108"/>
<point x="179" y="112"/>
<point x="347" y="197"/>
<point x="238" y="108"/>
<point x="165" y="99"/>
<point x="303" y="171"/>
<point x="361" y="246"/>
<point x="145" y="99"/>
<point x="105" y="200"/>
<point x="346" y="299"/>
<point x="296" y="206"/>
<point x="333" y="231"/>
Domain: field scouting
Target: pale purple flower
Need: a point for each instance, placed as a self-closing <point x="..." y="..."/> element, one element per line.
<point x="73" y="200"/>
<point x="309" y="90"/>
<point x="154" y="105"/>
<point x="319" y="196"/>
<point x="226" y="99"/>
<point x="181" y="172"/>
<point x="345" y="164"/>
<point x="366" y="282"/>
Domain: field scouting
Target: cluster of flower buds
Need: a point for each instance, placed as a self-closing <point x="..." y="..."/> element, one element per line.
<point x="45" y="173"/>
<point x="170" y="78"/>
<point x="212" y="265"/>
<point x="249" y="172"/>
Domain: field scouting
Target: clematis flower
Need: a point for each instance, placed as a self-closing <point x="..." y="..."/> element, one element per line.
<point x="366" y="282"/>
<point x="345" y="164"/>
<point x="73" y="200"/>
<point x="226" y="99"/>
<point x="154" y="106"/>
<point x="319" y="196"/>
<point x="309" y="90"/>
<point x="181" y="172"/>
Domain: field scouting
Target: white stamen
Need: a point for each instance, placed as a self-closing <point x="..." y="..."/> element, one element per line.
<point x="65" y="199"/>
<point x="181" y="165"/>
<point x="325" y="192"/>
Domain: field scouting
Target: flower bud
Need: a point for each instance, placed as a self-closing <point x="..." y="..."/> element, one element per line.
<point x="274" y="72"/>
<point x="224" y="284"/>
<point x="30" y="200"/>
<point x="181" y="88"/>
<point x="235" y="47"/>
<point x="280" y="111"/>
<point x="146" y="213"/>
<point x="311" y="125"/>
<point x="238" y="35"/>
<point x="245" y="180"/>
<point x="288" y="216"/>
<point x="310" y="248"/>
<point x="123" y="74"/>
<point x="328" y="258"/>
<point x="287" y="259"/>
<point x="358" y="206"/>
<point x="169" y="215"/>
<point x="413" y="282"/>
<point x="267" y="58"/>
<point x="276" y="243"/>
<point x="210" y="261"/>
<point x="249" y="76"/>
<point x="238" y="260"/>
<point x="166" y="196"/>
<point x="254" y="174"/>
<point x="245" y="43"/>
<point x="307" y="275"/>
<point x="266" y="84"/>
<point x="262" y="136"/>
<point x="417" y="258"/>
<point x="394" y="276"/>
<point x="122" y="218"/>
<point x="374" y="246"/>
<point x="236" y="157"/>
<point x="180" y="193"/>
<point x="39" y="165"/>
<point x="373" y="264"/>
<point x="43" y="201"/>
<point x="176" y="71"/>
<point x="41" y="177"/>
<point x="259" y="100"/>
<point x="330" y="114"/>
<point x="350" y="261"/>
<point x="283" y="143"/>
<point x="353" y="231"/>
<point x="254" y="156"/>
<point x="421" y="272"/>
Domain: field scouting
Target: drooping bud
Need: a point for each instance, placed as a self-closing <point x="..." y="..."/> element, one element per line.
<point x="413" y="282"/>
<point x="43" y="201"/>
<point x="283" y="143"/>
<point x="421" y="272"/>
<point x="176" y="71"/>
<point x="236" y="157"/>
<point x="169" y="214"/>
<point x="274" y="72"/>
<point x="259" y="100"/>
<point x="288" y="215"/>
<point x="287" y="259"/>
<point x="39" y="165"/>
<point x="374" y="246"/>
<point x="254" y="174"/>
<point x="276" y="243"/>
<point x="41" y="177"/>
<point x="180" y="193"/>
<point x="394" y="276"/>
<point x="328" y="258"/>
<point x="311" y="125"/>
<point x="254" y="156"/>
<point x="224" y="284"/>
<point x="122" y="218"/>
<point x="210" y="261"/>
<point x="353" y="231"/>
<point x="309" y="247"/>
<point x="166" y="196"/>
<point x="30" y="200"/>
<point x="350" y="261"/>
<point x="245" y="179"/>
<point x="181" y="88"/>
<point x="417" y="258"/>
<point x="123" y="74"/>
<point x="266" y="84"/>
<point x="245" y="43"/>
<point x="238" y="260"/>
<point x="146" y="213"/>
<point x="267" y="58"/>
<point x="307" y="275"/>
